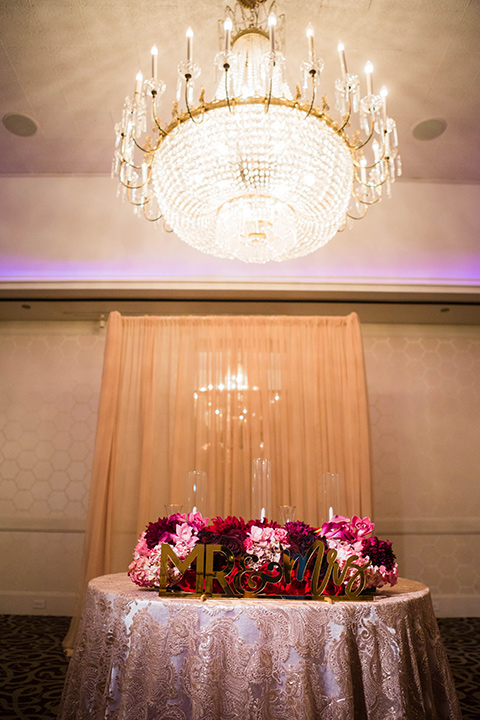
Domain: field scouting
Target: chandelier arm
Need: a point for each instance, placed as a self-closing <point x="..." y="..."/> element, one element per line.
<point x="128" y="164"/>
<point x="312" y="73"/>
<point x="124" y="160"/>
<point x="347" y="117"/>
<point x="127" y="184"/>
<point x="140" y="147"/>
<point x="188" y="106"/>
<point x="152" y="220"/>
<point x="150" y="151"/>
<point x="368" y="167"/>
<point x="269" y="100"/>
<point x="226" y="67"/>
<point x="367" y="140"/>
<point x="132" y="202"/>
<point x="367" y="202"/>
<point x="131" y="187"/>
<point x="371" y="186"/>
<point x="154" y="110"/>
<point x="358" y="217"/>
<point x="168" y="230"/>
<point x="174" y="127"/>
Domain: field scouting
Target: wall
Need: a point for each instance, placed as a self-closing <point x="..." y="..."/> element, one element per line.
<point x="49" y="384"/>
<point x="109" y="244"/>
<point x="424" y="392"/>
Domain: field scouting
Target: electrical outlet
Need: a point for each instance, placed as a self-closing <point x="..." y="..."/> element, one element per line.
<point x="38" y="604"/>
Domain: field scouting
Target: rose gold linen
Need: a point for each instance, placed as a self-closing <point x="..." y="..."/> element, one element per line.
<point x="141" y="657"/>
<point x="301" y="381"/>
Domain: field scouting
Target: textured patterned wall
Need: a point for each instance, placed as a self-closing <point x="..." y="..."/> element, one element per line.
<point x="424" y="392"/>
<point x="50" y="380"/>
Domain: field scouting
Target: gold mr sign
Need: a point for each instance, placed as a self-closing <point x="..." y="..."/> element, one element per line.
<point x="320" y="566"/>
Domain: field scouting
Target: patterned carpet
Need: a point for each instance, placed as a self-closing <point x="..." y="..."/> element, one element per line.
<point x="461" y="637"/>
<point x="33" y="667"/>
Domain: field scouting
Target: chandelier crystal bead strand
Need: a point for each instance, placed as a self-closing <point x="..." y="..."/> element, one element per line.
<point x="258" y="173"/>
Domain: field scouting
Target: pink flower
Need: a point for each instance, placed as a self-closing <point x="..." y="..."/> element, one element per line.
<point x="338" y="528"/>
<point x="392" y="578"/>
<point x="265" y="543"/>
<point x="268" y="535"/>
<point x="362" y="528"/>
<point x="358" y="546"/>
<point x="182" y="549"/>
<point x="196" y="521"/>
<point x="262" y="535"/>
<point x="183" y="533"/>
<point x="141" y="547"/>
<point x="256" y="533"/>
<point x="342" y="528"/>
<point x="281" y="536"/>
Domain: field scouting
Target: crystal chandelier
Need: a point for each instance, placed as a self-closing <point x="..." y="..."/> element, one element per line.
<point x="258" y="173"/>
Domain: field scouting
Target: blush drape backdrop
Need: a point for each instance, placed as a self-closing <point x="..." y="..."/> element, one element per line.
<point x="212" y="393"/>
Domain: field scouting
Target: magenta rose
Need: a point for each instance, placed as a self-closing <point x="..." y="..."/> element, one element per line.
<point x="362" y="527"/>
<point x="338" y="528"/>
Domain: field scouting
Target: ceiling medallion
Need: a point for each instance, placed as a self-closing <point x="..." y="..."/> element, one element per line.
<point x="257" y="173"/>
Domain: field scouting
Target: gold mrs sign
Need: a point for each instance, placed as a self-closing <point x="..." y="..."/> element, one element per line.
<point x="251" y="583"/>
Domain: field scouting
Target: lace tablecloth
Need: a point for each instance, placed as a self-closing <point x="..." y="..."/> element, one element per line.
<point x="142" y="657"/>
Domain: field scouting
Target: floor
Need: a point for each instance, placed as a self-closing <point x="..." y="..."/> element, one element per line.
<point x="33" y="667"/>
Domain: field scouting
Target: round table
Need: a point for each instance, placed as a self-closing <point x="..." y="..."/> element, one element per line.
<point x="139" y="656"/>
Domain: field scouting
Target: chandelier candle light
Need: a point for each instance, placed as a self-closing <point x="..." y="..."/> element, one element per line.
<point x="258" y="173"/>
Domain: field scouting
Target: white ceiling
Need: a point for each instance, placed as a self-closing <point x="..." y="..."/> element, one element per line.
<point x="69" y="64"/>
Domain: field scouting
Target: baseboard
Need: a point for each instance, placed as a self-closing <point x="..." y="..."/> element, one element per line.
<point x="36" y="603"/>
<point x="456" y="605"/>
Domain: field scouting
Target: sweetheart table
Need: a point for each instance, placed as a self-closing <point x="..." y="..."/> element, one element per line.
<point x="139" y="656"/>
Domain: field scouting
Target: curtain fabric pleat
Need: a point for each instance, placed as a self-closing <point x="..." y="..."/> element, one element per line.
<point x="212" y="393"/>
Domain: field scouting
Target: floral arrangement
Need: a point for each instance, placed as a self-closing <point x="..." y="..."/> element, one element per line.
<point x="259" y="547"/>
<point x="351" y="537"/>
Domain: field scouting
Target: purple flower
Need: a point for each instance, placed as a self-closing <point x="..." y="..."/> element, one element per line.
<point x="300" y="536"/>
<point x="162" y="530"/>
<point x="298" y="527"/>
<point x="228" y="525"/>
<point x="261" y="524"/>
<point x="233" y="539"/>
<point x="208" y="537"/>
<point x="379" y="552"/>
<point x="235" y="544"/>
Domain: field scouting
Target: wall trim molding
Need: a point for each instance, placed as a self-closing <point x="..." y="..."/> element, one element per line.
<point x="427" y="526"/>
<point x="456" y="605"/>
<point x="29" y="602"/>
<point x="383" y="526"/>
<point x="43" y="525"/>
